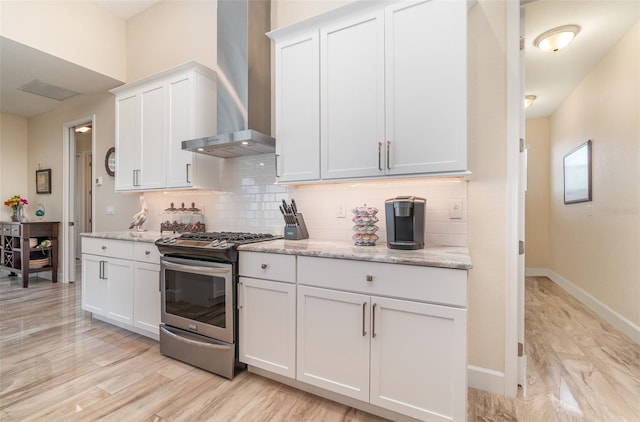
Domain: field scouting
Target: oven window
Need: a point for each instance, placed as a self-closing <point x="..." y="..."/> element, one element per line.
<point x="196" y="297"/>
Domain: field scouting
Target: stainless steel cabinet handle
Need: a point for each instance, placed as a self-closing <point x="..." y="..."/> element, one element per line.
<point x="369" y="277"/>
<point x="240" y="295"/>
<point x="100" y="270"/>
<point x="373" y="320"/>
<point x="388" y="155"/>
<point x="264" y="266"/>
<point x="188" y="173"/>
<point x="276" y="157"/>
<point x="379" y="156"/>
<point x="364" y="313"/>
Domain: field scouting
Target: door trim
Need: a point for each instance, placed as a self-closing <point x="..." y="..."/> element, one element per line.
<point x="68" y="164"/>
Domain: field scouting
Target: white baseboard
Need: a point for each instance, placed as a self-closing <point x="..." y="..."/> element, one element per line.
<point x="621" y="323"/>
<point x="486" y="379"/>
<point x="536" y="272"/>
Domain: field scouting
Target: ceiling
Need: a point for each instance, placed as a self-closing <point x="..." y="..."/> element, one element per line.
<point x="549" y="76"/>
<point x="553" y="76"/>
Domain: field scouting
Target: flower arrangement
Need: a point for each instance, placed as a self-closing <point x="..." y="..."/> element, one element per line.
<point x="15" y="200"/>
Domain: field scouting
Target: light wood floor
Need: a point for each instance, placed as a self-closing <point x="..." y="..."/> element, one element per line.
<point x="56" y="364"/>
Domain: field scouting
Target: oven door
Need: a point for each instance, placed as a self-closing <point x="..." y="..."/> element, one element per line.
<point x="197" y="296"/>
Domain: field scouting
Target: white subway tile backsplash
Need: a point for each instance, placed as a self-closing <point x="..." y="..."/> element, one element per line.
<point x="250" y="201"/>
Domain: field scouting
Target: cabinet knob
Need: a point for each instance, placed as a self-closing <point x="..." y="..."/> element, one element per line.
<point x="147" y="252"/>
<point x="264" y="266"/>
<point x="104" y="248"/>
<point x="369" y="277"/>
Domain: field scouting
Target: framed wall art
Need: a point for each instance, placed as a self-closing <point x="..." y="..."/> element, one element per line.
<point x="576" y="166"/>
<point x="43" y="181"/>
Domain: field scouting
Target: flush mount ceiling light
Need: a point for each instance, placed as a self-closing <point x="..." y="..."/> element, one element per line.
<point x="83" y="129"/>
<point x="529" y="100"/>
<point x="557" y="38"/>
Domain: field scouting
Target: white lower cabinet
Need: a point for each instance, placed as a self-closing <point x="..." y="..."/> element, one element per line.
<point x="333" y="341"/>
<point x="267" y="315"/>
<point x="119" y="275"/>
<point x="360" y="329"/>
<point x="418" y="359"/>
<point x="120" y="283"/>
<point x="146" y="297"/>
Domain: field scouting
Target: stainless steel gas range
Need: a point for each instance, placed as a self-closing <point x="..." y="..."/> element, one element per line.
<point x="199" y="283"/>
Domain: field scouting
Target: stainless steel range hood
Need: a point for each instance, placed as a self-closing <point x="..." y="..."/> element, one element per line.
<point x="243" y="82"/>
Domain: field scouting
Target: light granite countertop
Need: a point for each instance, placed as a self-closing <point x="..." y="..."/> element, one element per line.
<point x="438" y="256"/>
<point x="131" y="235"/>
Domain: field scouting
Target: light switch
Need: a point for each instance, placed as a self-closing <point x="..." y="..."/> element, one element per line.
<point x="110" y="210"/>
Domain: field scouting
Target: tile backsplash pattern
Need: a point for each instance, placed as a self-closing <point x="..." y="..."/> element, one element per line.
<point x="249" y="201"/>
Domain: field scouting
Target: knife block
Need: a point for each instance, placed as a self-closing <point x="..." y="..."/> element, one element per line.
<point x="296" y="231"/>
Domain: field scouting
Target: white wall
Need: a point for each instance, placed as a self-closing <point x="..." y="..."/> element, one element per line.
<point x="170" y="33"/>
<point x="78" y="31"/>
<point x="537" y="199"/>
<point x="13" y="161"/>
<point x="46" y="151"/>
<point x="596" y="245"/>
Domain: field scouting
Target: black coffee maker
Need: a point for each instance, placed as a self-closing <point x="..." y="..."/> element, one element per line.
<point x="405" y="218"/>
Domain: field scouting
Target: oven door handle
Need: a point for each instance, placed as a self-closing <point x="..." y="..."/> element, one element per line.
<point x="195" y="268"/>
<point x="194" y="342"/>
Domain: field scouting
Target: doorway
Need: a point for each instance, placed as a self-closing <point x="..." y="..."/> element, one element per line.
<point x="78" y="202"/>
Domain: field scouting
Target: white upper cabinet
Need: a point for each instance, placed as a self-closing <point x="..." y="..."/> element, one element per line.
<point x="393" y="92"/>
<point x="297" y="108"/>
<point x="426" y="86"/>
<point x="153" y="117"/>
<point x="352" y="97"/>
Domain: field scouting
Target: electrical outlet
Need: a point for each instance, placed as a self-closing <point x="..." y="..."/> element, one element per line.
<point x="341" y="211"/>
<point x="110" y="210"/>
<point x="455" y="209"/>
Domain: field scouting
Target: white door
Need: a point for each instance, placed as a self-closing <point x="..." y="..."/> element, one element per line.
<point x="119" y="274"/>
<point x="146" y="297"/>
<point x="267" y="313"/>
<point x="426" y="86"/>
<point x="419" y="359"/>
<point x="352" y="97"/>
<point x="297" y="87"/>
<point x="333" y="341"/>
<point x="94" y="286"/>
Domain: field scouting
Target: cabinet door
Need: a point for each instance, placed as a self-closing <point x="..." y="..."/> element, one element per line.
<point x="426" y="80"/>
<point x="94" y="288"/>
<point x="419" y="359"/>
<point x="179" y="162"/>
<point x="127" y="141"/>
<point x="146" y="297"/>
<point x="352" y="97"/>
<point x="153" y="111"/>
<point x="119" y="274"/>
<point x="268" y="325"/>
<point x="333" y="341"/>
<point x="297" y="109"/>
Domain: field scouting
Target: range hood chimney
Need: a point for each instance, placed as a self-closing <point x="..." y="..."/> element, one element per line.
<point x="243" y="82"/>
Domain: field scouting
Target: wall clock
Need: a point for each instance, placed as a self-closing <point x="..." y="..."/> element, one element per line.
<point x="110" y="162"/>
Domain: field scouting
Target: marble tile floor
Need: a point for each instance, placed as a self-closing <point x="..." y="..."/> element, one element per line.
<point x="56" y="364"/>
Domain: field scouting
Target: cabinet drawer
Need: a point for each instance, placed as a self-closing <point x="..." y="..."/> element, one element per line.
<point x="11" y="229"/>
<point x="107" y="247"/>
<point x="146" y="252"/>
<point x="268" y="266"/>
<point x="426" y="284"/>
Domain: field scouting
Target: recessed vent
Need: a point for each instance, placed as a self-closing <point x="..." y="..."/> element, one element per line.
<point x="44" y="89"/>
